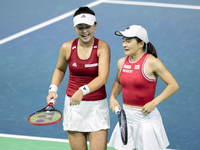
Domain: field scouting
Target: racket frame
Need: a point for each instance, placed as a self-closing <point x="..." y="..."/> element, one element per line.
<point x="44" y="110"/>
<point x="120" y="114"/>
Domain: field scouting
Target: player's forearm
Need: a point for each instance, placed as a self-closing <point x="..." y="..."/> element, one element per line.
<point x="116" y="90"/>
<point x="97" y="83"/>
<point x="168" y="92"/>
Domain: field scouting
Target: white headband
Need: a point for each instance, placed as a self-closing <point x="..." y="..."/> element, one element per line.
<point x="84" y="18"/>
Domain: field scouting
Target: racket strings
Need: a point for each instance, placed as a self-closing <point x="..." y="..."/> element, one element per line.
<point x="45" y="117"/>
<point x="123" y="126"/>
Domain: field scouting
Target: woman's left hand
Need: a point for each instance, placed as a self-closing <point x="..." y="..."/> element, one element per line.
<point x="76" y="98"/>
<point x="148" y="108"/>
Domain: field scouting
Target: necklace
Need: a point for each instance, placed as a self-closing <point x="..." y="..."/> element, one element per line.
<point x="86" y="49"/>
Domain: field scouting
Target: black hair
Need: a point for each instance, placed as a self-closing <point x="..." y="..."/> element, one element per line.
<point x="85" y="10"/>
<point x="150" y="48"/>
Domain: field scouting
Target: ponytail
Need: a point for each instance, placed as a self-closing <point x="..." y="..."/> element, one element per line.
<point x="151" y="49"/>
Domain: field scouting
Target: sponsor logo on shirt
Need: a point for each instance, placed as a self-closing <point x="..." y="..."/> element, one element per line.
<point x="73" y="47"/>
<point x="127" y="66"/>
<point x="91" y="65"/>
<point x="127" y="71"/>
<point x="74" y="64"/>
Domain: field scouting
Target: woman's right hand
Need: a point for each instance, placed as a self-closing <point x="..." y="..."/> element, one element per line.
<point x="52" y="95"/>
<point x="113" y="104"/>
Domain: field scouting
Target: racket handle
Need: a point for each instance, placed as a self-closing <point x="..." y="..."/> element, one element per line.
<point x="51" y="101"/>
<point x="117" y="110"/>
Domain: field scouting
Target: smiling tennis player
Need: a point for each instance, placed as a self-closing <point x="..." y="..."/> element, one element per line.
<point x="86" y="112"/>
<point x="137" y="78"/>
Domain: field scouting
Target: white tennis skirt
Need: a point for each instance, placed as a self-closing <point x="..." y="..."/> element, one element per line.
<point x="145" y="132"/>
<point x="89" y="116"/>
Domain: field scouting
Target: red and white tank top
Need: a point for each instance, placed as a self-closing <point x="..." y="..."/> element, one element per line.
<point x="137" y="88"/>
<point x="82" y="72"/>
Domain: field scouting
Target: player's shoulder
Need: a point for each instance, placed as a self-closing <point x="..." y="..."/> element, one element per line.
<point x="65" y="49"/>
<point x="154" y="62"/>
<point x="67" y="44"/>
<point x="152" y="59"/>
<point x="103" y="44"/>
<point x="120" y="62"/>
<point x="103" y="48"/>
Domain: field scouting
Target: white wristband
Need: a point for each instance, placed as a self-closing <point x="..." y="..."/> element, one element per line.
<point x="53" y="88"/>
<point x="85" y="89"/>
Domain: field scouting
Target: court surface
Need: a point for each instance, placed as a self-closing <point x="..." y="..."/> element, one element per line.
<point x="32" y="32"/>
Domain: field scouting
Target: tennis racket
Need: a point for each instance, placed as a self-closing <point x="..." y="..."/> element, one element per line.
<point x="46" y="116"/>
<point x="122" y="124"/>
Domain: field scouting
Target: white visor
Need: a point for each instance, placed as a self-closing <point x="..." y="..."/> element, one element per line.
<point x="84" y="18"/>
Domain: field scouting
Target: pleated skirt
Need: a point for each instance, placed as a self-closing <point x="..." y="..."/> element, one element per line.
<point x="145" y="132"/>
